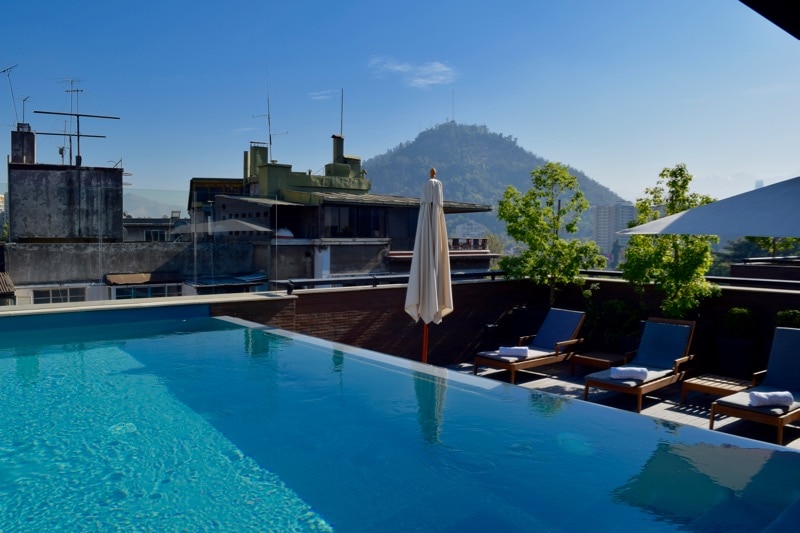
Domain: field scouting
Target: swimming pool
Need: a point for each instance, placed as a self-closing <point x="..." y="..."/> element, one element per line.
<point x="175" y="421"/>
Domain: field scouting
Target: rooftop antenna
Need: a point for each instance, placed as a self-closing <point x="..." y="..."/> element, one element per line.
<point x="341" y="113"/>
<point x="7" y="72"/>
<point x="78" y="133"/>
<point x="72" y="90"/>
<point x="269" y="124"/>
<point x="23" y="107"/>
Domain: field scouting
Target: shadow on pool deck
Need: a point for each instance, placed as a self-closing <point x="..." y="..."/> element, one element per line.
<point x="663" y="404"/>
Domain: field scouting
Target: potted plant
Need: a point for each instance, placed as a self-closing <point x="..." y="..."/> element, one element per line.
<point x="734" y="344"/>
<point x="613" y="327"/>
<point x="788" y="318"/>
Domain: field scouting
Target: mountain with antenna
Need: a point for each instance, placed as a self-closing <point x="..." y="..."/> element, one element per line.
<point x="475" y="165"/>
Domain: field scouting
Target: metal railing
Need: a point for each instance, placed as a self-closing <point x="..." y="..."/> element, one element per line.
<point x="373" y="280"/>
<point x="753" y="283"/>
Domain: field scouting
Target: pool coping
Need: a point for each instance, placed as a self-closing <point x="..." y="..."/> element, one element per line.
<point x="137" y="303"/>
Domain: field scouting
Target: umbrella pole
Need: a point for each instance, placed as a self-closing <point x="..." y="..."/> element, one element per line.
<point x="424" y="342"/>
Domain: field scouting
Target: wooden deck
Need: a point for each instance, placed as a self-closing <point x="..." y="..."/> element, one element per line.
<point x="664" y="404"/>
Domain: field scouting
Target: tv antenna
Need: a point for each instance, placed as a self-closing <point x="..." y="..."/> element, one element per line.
<point x="269" y="125"/>
<point x="78" y="133"/>
<point x="23" y="107"/>
<point x="7" y="72"/>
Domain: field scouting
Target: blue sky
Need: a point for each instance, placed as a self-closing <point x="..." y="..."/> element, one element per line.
<point x="619" y="89"/>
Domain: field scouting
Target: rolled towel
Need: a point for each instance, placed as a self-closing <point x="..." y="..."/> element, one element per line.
<point x="628" y="372"/>
<point x="515" y="351"/>
<point x="771" y="399"/>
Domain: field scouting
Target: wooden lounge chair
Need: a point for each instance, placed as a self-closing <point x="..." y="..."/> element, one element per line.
<point x="554" y="342"/>
<point x="782" y="374"/>
<point x="663" y="349"/>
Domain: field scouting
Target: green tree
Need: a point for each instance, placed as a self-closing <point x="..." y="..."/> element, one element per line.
<point x="537" y="219"/>
<point x="496" y="246"/>
<point x="733" y="252"/>
<point x="773" y="245"/>
<point x="676" y="264"/>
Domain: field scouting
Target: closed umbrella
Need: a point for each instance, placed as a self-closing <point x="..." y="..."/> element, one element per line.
<point x="770" y="211"/>
<point x="430" y="295"/>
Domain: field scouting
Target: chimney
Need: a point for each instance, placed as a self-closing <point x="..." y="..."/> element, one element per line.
<point x="338" y="148"/>
<point x="23" y="144"/>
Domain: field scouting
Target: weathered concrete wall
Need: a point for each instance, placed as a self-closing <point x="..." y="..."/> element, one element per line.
<point x="57" y="203"/>
<point x="75" y="262"/>
<point x="296" y="257"/>
<point x="349" y="259"/>
<point x="32" y="263"/>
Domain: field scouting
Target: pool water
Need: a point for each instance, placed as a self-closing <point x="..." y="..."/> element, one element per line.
<point x="203" y="424"/>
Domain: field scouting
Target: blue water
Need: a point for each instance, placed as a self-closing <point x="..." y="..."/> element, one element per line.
<point x="200" y="424"/>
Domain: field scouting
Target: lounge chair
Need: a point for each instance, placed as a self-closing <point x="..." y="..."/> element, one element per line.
<point x="554" y="342"/>
<point x="782" y="374"/>
<point x="663" y="349"/>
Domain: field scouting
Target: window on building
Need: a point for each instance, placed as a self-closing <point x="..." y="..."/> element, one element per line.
<point x="59" y="295"/>
<point x="359" y="221"/>
<point x="155" y="235"/>
<point x="130" y="292"/>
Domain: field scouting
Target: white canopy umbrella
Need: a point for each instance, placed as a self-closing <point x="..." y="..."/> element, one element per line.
<point x="771" y="211"/>
<point x="430" y="295"/>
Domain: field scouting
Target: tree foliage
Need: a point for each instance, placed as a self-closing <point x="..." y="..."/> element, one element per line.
<point x="537" y="219"/>
<point x="776" y="245"/>
<point x="676" y="264"/>
<point x="733" y="252"/>
<point x="749" y="247"/>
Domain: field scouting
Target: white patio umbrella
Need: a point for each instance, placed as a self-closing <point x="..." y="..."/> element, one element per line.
<point x="430" y="295"/>
<point x="771" y="211"/>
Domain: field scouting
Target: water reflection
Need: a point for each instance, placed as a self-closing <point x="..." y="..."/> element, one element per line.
<point x="338" y="361"/>
<point x="430" y="391"/>
<point x="547" y="404"/>
<point x="259" y="343"/>
<point x="708" y="487"/>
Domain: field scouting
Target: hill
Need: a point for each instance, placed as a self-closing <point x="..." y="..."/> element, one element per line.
<point x="141" y="206"/>
<point x="475" y="166"/>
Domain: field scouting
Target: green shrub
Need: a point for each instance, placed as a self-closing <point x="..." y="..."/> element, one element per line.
<point x="788" y="318"/>
<point x="610" y="323"/>
<point x="738" y="322"/>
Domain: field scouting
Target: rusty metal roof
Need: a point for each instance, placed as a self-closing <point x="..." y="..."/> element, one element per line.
<point x="6" y="285"/>
<point x="139" y="278"/>
<point x="380" y="200"/>
<point x="259" y="201"/>
<point x="385" y="200"/>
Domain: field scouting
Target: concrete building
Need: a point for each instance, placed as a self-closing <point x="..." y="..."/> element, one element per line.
<point x="67" y="242"/>
<point x="70" y="241"/>
<point x="608" y="220"/>
<point x="325" y="226"/>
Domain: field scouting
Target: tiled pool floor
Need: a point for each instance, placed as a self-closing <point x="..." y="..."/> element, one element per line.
<point x="664" y="404"/>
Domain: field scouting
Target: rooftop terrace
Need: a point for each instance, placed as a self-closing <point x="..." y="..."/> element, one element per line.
<point x="665" y="404"/>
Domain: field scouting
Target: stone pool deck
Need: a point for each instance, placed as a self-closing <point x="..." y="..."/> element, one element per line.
<point x="664" y="404"/>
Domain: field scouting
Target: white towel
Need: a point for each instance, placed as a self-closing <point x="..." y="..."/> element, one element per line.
<point x="771" y="399"/>
<point x="515" y="351"/>
<point x="628" y="372"/>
